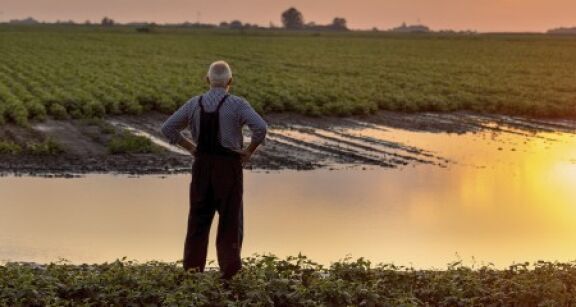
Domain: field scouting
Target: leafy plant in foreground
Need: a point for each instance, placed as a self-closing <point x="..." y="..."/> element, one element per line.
<point x="266" y="280"/>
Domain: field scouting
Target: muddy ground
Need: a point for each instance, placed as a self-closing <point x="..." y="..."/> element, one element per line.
<point x="293" y="142"/>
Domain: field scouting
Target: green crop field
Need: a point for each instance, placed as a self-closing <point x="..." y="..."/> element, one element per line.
<point x="295" y="281"/>
<point x="84" y="72"/>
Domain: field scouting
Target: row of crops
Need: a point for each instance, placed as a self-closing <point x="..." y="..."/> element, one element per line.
<point x="294" y="281"/>
<point x="68" y="72"/>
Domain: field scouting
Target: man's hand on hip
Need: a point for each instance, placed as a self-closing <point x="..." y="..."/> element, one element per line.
<point x="246" y="154"/>
<point x="188" y="145"/>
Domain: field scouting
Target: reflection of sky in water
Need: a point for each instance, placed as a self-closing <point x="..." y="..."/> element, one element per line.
<point x="508" y="198"/>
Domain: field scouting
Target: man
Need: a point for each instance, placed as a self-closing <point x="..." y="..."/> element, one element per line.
<point x="215" y="120"/>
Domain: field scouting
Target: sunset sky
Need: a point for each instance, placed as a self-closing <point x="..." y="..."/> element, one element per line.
<point x="481" y="15"/>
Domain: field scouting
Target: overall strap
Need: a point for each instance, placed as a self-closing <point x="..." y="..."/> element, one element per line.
<point x="221" y="102"/>
<point x="200" y="103"/>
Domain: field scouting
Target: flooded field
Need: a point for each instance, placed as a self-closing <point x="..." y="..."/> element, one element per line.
<point x="456" y="188"/>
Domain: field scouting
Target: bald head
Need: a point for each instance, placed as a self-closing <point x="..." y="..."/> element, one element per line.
<point x="219" y="74"/>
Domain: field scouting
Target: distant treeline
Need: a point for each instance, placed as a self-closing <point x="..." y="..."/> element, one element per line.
<point x="292" y="19"/>
<point x="571" y="30"/>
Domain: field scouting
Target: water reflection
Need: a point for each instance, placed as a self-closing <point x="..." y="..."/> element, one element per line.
<point x="508" y="197"/>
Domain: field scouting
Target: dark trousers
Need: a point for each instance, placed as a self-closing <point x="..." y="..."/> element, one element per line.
<point x="216" y="186"/>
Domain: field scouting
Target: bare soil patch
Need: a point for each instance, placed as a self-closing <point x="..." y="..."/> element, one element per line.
<point x="294" y="142"/>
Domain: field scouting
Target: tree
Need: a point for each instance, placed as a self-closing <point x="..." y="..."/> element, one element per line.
<point x="236" y="24"/>
<point x="292" y="19"/>
<point x="107" y="21"/>
<point x="339" y="24"/>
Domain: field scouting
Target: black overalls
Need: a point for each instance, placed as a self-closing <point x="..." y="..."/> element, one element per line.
<point x="216" y="186"/>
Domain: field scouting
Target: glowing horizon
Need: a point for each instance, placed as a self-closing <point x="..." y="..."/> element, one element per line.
<point x="485" y="16"/>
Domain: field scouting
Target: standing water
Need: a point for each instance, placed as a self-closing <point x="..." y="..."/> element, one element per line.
<point x="502" y="197"/>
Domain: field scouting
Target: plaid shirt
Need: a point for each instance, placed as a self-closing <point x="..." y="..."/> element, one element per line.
<point x="234" y="114"/>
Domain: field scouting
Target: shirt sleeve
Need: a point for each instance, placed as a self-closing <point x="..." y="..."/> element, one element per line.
<point x="177" y="122"/>
<point x="254" y="121"/>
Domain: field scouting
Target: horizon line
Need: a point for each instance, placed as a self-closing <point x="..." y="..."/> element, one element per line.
<point x="125" y="22"/>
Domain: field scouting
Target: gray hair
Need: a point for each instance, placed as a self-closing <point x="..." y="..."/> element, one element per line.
<point x="219" y="74"/>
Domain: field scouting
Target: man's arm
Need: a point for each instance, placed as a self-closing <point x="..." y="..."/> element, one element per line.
<point x="257" y="125"/>
<point x="177" y="122"/>
<point x="187" y="144"/>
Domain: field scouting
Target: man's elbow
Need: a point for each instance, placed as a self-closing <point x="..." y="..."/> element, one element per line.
<point x="264" y="128"/>
<point x="167" y="131"/>
<point x="261" y="132"/>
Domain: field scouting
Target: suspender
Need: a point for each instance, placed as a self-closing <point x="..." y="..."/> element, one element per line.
<point x="219" y="103"/>
<point x="209" y="132"/>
